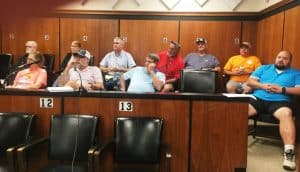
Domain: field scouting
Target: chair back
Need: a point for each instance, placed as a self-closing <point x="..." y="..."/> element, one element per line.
<point x="15" y="129"/>
<point x="138" y="139"/>
<point x="5" y="64"/>
<point x="198" y="81"/>
<point x="49" y="62"/>
<point x="91" y="62"/>
<point x="70" y="131"/>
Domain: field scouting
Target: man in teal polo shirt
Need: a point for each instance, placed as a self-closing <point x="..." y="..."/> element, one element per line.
<point x="273" y="84"/>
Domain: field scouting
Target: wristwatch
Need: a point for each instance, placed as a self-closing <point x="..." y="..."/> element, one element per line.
<point x="283" y="90"/>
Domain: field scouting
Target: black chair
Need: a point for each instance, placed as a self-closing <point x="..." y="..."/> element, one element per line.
<point x="70" y="145"/>
<point x="137" y="145"/>
<point x="15" y="130"/>
<point x="268" y="129"/>
<point x="198" y="81"/>
<point x="91" y="62"/>
<point x="5" y="64"/>
<point x="49" y="62"/>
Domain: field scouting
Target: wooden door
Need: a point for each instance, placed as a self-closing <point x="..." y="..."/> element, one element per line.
<point x="269" y="37"/>
<point x="222" y="36"/>
<point x="145" y="36"/>
<point x="95" y="35"/>
<point x="44" y="31"/>
<point x="291" y="34"/>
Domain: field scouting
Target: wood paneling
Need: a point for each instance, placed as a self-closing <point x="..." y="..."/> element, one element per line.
<point x="176" y="122"/>
<point x="17" y="31"/>
<point x="221" y="37"/>
<point x="291" y="34"/>
<point x="269" y="37"/>
<point x="219" y="136"/>
<point x="31" y="104"/>
<point x="99" y="32"/>
<point x="249" y="32"/>
<point x="145" y="36"/>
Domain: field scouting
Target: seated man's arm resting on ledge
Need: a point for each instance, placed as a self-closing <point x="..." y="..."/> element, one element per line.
<point x="122" y="83"/>
<point x="113" y="69"/>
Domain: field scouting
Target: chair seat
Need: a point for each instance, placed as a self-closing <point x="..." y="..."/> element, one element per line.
<point x="64" y="168"/>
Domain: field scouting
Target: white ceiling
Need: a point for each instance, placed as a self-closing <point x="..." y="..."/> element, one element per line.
<point x="172" y="5"/>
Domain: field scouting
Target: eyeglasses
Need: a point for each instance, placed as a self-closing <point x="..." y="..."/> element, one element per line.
<point x="29" y="46"/>
<point x="176" y="44"/>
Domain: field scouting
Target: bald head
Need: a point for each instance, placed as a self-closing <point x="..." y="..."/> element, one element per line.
<point x="283" y="60"/>
<point x="31" y="46"/>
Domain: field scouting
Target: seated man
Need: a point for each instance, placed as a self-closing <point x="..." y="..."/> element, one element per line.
<point x="201" y="60"/>
<point x="89" y="76"/>
<point x="75" y="47"/>
<point x="69" y="62"/>
<point x="239" y="68"/>
<point x="115" y="63"/>
<point x="31" y="47"/>
<point x="35" y="76"/>
<point x="273" y="84"/>
<point x="144" y="79"/>
<point x="170" y="63"/>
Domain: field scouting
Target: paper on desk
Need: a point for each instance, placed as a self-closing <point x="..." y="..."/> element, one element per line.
<point x="239" y="95"/>
<point x="60" y="89"/>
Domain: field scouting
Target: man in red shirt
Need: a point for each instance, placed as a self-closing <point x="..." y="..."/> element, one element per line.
<point x="170" y="63"/>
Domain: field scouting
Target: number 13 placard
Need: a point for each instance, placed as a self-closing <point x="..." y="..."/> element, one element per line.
<point x="125" y="106"/>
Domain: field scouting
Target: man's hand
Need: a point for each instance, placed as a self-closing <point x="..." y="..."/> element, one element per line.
<point x="151" y="67"/>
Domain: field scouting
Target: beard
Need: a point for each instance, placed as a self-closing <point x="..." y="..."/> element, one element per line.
<point x="281" y="67"/>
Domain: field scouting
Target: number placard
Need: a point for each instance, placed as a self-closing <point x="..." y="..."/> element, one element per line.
<point x="46" y="102"/>
<point x="125" y="106"/>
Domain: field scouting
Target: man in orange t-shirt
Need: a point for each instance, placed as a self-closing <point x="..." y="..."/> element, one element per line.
<point x="239" y="68"/>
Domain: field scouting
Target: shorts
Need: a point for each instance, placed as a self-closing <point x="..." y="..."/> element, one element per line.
<point x="269" y="107"/>
<point x="236" y="84"/>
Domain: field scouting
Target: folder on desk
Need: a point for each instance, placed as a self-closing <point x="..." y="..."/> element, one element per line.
<point x="60" y="89"/>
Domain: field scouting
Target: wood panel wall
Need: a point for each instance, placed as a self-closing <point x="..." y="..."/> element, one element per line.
<point x="249" y="32"/>
<point x="291" y="34"/>
<point x="145" y="36"/>
<point x="45" y="31"/>
<point x="269" y="37"/>
<point x="99" y="34"/>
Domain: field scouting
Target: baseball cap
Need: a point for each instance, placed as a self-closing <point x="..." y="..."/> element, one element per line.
<point x="83" y="54"/>
<point x="201" y="40"/>
<point x="246" y="44"/>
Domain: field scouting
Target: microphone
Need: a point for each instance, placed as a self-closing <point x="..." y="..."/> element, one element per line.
<point x="27" y="65"/>
<point x="81" y="89"/>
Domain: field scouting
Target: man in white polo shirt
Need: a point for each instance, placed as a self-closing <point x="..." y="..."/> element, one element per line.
<point x="89" y="76"/>
<point x="115" y="63"/>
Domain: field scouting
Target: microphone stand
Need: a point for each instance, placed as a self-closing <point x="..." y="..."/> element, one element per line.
<point x="14" y="72"/>
<point x="81" y="89"/>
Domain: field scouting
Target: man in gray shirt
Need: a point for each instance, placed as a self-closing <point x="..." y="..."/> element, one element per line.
<point x="115" y="63"/>
<point x="201" y="60"/>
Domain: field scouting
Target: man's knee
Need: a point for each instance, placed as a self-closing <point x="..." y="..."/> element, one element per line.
<point x="284" y="113"/>
<point x="251" y="110"/>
